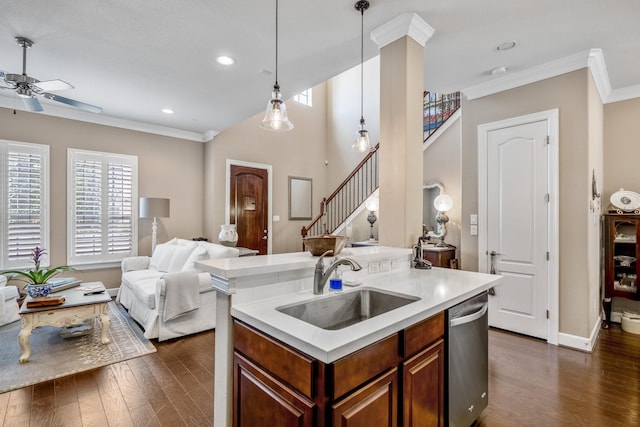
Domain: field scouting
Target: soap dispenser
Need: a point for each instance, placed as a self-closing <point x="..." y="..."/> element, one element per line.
<point x="335" y="281"/>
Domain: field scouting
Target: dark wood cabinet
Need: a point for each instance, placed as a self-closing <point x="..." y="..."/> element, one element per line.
<point x="377" y="401"/>
<point x="276" y="385"/>
<point x="621" y="252"/>
<point x="439" y="257"/>
<point x="423" y="388"/>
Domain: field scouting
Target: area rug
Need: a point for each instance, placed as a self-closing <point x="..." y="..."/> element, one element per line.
<point x="54" y="357"/>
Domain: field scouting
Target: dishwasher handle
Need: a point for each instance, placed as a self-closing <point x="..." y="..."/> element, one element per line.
<point x="471" y="317"/>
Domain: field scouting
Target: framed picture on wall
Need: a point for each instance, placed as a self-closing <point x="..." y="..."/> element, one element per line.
<point x="300" y="197"/>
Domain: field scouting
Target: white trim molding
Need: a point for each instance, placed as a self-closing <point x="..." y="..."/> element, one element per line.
<point x="552" y="118"/>
<point x="227" y="184"/>
<point x="406" y="24"/>
<point x="581" y="343"/>
<point x="592" y="59"/>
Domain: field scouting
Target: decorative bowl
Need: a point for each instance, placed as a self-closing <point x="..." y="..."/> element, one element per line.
<point x="40" y="290"/>
<point x="318" y="245"/>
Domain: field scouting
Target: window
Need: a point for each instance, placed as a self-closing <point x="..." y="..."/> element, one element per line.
<point x="303" y="97"/>
<point x="24" y="202"/>
<point x="103" y="201"/>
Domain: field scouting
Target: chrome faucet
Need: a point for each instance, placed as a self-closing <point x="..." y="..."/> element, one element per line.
<point x="320" y="277"/>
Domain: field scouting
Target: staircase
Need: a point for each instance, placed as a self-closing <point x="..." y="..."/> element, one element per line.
<point x="363" y="181"/>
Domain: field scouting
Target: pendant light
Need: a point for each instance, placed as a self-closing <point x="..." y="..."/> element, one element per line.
<point x="362" y="143"/>
<point x="275" y="118"/>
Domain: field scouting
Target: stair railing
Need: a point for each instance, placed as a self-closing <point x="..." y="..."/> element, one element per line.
<point x="437" y="109"/>
<point x="350" y="194"/>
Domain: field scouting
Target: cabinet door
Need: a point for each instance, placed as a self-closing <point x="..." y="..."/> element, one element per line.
<point x="423" y="388"/>
<point x="373" y="405"/>
<point x="621" y="266"/>
<point x="261" y="400"/>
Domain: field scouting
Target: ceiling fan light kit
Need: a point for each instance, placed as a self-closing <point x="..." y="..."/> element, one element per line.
<point x="27" y="87"/>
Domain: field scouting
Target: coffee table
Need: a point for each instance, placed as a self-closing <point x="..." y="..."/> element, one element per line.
<point x="76" y="309"/>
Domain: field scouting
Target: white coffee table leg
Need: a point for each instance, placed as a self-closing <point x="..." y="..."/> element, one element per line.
<point x="106" y="323"/>
<point x="23" y="338"/>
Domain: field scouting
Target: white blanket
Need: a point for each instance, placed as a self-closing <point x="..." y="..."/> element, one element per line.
<point x="182" y="294"/>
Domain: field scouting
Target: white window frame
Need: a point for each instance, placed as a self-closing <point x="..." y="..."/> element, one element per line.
<point x="23" y="261"/>
<point x="103" y="259"/>
<point x="304" y="97"/>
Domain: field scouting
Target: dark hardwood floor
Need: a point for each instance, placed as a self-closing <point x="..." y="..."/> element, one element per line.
<point x="530" y="384"/>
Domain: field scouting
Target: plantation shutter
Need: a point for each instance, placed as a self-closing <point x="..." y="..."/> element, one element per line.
<point x="104" y="194"/>
<point x="25" y="195"/>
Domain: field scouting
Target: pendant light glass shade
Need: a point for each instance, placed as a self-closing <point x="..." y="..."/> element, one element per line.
<point x="362" y="143"/>
<point x="275" y="118"/>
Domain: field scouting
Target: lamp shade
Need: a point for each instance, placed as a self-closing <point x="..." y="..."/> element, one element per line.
<point x="154" y="208"/>
<point x="443" y="203"/>
<point x="372" y="203"/>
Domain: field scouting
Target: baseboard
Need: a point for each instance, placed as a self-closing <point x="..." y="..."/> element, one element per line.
<point x="113" y="291"/>
<point x="581" y="343"/>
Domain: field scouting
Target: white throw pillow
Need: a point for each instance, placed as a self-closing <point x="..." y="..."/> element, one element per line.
<point x="198" y="254"/>
<point x="162" y="255"/>
<point x="179" y="257"/>
<point x="219" y="251"/>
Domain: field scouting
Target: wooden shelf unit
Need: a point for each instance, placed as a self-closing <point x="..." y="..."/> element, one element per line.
<point x="621" y="255"/>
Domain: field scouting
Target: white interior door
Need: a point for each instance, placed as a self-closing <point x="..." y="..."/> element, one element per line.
<point x="517" y="226"/>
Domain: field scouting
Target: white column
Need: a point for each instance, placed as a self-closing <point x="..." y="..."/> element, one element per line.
<point x="401" y="42"/>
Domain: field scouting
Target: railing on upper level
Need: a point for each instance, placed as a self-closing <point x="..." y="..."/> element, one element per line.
<point x="437" y="109"/>
<point x="350" y="194"/>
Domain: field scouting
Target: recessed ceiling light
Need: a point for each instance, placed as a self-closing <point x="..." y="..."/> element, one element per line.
<point x="168" y="111"/>
<point x="225" y="60"/>
<point x="506" y="45"/>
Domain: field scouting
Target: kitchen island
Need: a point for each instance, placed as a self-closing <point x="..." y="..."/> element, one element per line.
<point x="251" y="290"/>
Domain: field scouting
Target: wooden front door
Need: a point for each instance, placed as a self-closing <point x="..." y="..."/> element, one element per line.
<point x="249" y="194"/>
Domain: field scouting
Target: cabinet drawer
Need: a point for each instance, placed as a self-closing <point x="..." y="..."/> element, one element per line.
<point x="420" y="335"/>
<point x="357" y="368"/>
<point x="286" y="364"/>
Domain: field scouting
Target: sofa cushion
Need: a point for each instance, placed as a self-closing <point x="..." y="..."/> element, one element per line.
<point x="198" y="254"/>
<point x="215" y="251"/>
<point x="180" y="256"/>
<point x="142" y="284"/>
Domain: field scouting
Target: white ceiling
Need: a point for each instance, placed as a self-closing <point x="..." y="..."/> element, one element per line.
<point x="134" y="57"/>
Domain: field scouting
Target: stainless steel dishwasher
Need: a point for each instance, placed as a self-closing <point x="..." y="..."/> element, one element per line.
<point x="467" y="361"/>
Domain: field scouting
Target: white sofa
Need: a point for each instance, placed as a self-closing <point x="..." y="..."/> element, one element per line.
<point x="166" y="294"/>
<point x="8" y="302"/>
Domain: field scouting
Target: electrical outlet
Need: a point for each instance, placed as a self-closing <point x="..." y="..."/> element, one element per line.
<point x="473" y="230"/>
<point x="385" y="265"/>
<point x="374" y="267"/>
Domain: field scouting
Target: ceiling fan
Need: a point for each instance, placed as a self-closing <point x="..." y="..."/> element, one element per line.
<point x="28" y="87"/>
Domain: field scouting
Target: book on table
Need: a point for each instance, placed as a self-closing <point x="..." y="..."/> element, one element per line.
<point x="62" y="283"/>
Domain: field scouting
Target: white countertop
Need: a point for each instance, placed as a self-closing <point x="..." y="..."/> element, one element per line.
<point x="438" y="290"/>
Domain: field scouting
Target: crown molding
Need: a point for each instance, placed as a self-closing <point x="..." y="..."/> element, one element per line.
<point x="11" y="103"/>
<point x="592" y="59"/>
<point x="406" y="24"/>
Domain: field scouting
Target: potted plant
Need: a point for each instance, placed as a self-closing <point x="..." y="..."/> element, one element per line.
<point x="36" y="278"/>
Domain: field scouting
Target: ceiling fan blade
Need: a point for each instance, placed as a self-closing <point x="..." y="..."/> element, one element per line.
<point x="50" y="85"/>
<point x="32" y="104"/>
<point x="73" y="103"/>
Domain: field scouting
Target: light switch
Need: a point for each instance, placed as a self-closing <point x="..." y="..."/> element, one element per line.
<point x="474" y="230"/>
<point x="276" y="218"/>
<point x="473" y="220"/>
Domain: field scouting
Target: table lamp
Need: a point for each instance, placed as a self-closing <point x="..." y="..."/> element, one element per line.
<point x="443" y="203"/>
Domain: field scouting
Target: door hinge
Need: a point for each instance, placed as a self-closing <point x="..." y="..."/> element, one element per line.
<point x="548" y="256"/>
<point x="548" y="140"/>
<point x="547" y="198"/>
<point x="547" y="314"/>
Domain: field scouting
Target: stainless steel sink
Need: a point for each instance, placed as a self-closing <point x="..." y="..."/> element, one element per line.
<point x="346" y="309"/>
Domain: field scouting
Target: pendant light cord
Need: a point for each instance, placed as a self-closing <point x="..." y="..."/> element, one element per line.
<point x="277" y="85"/>
<point x="361" y="65"/>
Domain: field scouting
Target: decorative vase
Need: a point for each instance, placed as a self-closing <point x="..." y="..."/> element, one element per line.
<point x="38" y="290"/>
<point x="228" y="235"/>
